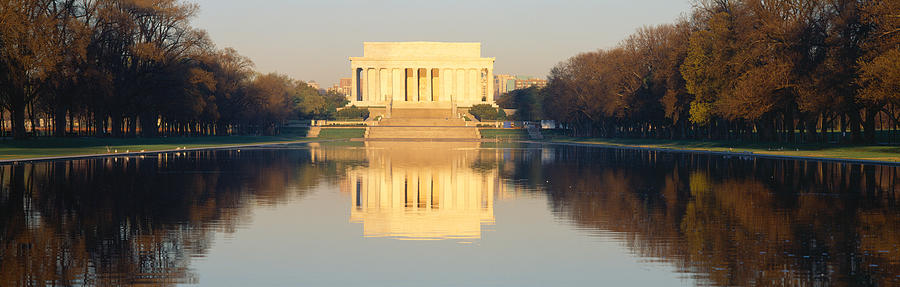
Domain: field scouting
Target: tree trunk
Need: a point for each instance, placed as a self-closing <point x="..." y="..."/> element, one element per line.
<point x="116" y="126"/>
<point x="811" y="136"/>
<point x="149" y="128"/>
<point x="789" y="120"/>
<point x="99" y="129"/>
<point x="843" y="133"/>
<point x="32" y="120"/>
<point x="72" y="123"/>
<point x="855" y="133"/>
<point x="59" y="121"/>
<point x="220" y="129"/>
<point x="869" y="125"/>
<point x="17" y="104"/>
<point x="132" y="126"/>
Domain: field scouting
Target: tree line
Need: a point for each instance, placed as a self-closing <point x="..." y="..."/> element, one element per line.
<point x="135" y="67"/>
<point x="527" y="103"/>
<point x="696" y="210"/>
<point x="783" y="70"/>
<point x="108" y="222"/>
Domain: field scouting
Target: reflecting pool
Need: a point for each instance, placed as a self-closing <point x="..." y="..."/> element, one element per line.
<point x="448" y="214"/>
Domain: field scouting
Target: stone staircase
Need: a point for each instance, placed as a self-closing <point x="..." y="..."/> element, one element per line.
<point x="423" y="123"/>
<point x="421" y="113"/>
<point x="314" y="132"/>
<point x="422" y="132"/>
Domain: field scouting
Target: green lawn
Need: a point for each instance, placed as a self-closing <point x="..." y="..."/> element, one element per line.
<point x="864" y="152"/>
<point x="342" y="133"/>
<point x="294" y="131"/>
<point x="52" y="147"/>
<point x="48" y="147"/>
<point x="504" y="133"/>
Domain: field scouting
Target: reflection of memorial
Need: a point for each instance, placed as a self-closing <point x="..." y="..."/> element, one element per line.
<point x="422" y="191"/>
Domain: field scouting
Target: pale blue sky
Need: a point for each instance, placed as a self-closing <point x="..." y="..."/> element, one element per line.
<point x="311" y="40"/>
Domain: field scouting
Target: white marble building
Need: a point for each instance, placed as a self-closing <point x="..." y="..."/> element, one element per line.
<point x="421" y="74"/>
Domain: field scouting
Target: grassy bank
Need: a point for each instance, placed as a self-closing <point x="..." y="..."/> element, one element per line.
<point x="53" y="147"/>
<point x="342" y="133"/>
<point x="492" y="133"/>
<point x="889" y="153"/>
<point x="59" y="147"/>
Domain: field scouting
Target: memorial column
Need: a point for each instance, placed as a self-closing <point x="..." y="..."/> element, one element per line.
<point x="354" y="84"/>
<point x="490" y="85"/>
<point x="471" y="85"/>
<point x="415" y="85"/>
<point x="364" y="85"/>
<point x="375" y="85"/>
<point x="429" y="95"/>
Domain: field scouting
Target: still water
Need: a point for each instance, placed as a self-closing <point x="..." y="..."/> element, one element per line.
<point x="448" y="214"/>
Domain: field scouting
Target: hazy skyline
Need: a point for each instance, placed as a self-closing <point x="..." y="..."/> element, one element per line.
<point x="312" y="40"/>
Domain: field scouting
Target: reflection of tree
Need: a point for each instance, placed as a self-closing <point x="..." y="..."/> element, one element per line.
<point x="117" y="221"/>
<point x="738" y="222"/>
<point x="521" y="166"/>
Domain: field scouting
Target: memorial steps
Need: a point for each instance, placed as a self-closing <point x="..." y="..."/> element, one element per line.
<point x="423" y="132"/>
<point x="422" y="124"/>
<point x="420" y="113"/>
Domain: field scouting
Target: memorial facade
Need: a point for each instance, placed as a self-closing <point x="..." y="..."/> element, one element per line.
<point x="421" y="75"/>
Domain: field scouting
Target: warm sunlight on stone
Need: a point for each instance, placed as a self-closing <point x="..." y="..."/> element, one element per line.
<point x="421" y="75"/>
<point x="421" y="191"/>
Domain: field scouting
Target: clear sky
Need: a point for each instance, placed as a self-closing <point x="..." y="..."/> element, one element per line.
<point x="311" y="40"/>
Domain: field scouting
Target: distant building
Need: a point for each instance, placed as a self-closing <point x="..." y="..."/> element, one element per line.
<point x="526" y="82"/>
<point x="346" y="85"/>
<point x="313" y="84"/>
<point x="506" y="83"/>
<point x="500" y="81"/>
<point x="342" y="87"/>
<point x="335" y="88"/>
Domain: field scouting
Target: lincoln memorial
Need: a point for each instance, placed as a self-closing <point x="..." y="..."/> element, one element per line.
<point x="421" y="75"/>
